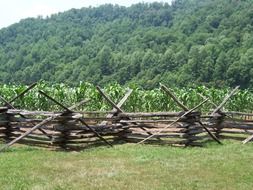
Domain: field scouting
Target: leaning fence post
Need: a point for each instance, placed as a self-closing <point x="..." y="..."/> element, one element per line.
<point x="187" y="109"/>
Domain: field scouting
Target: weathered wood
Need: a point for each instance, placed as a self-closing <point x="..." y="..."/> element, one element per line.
<point x="4" y="122"/>
<point x="47" y="113"/>
<point x="11" y="106"/>
<point x="237" y="123"/>
<point x="3" y="109"/>
<point x="239" y="120"/>
<point x="115" y="106"/>
<point x="39" y="138"/>
<point x="186" y="109"/>
<point x="27" y="133"/>
<point x="210" y="101"/>
<point x="231" y="126"/>
<point x="88" y="141"/>
<point x="35" y="142"/>
<point x="79" y="119"/>
<point x="67" y="110"/>
<point x="109" y="100"/>
<point x="238" y="113"/>
<point x="143" y="135"/>
<point x="247" y="139"/>
<point x="79" y="104"/>
<point x="231" y="137"/>
<point x="154" y="141"/>
<point x="121" y="102"/>
<point x="47" y="120"/>
<point x="146" y="121"/>
<point x="82" y="128"/>
<point x="171" y="94"/>
<point x="210" y="134"/>
<point x="191" y="110"/>
<point x="225" y="100"/>
<point x="97" y="134"/>
<point x="124" y="114"/>
<point x="151" y="114"/>
<point x="7" y="104"/>
<point x="195" y="131"/>
<point x="69" y="116"/>
<point x="237" y="131"/>
<point x="23" y="92"/>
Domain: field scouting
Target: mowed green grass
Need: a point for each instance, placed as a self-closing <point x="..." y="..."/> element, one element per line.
<point x="130" y="166"/>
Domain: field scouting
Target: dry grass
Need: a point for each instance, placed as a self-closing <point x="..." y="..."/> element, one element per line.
<point x="129" y="167"/>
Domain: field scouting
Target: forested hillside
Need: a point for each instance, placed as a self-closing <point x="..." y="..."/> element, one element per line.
<point x="206" y="42"/>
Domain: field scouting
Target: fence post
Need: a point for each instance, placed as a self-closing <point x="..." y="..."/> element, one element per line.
<point x="193" y="129"/>
<point x="217" y="121"/>
<point x="6" y="128"/>
<point x="64" y="130"/>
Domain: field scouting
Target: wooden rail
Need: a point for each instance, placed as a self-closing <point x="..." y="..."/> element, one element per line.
<point x="70" y="129"/>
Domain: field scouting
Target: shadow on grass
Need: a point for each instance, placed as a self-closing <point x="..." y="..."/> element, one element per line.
<point x="89" y="146"/>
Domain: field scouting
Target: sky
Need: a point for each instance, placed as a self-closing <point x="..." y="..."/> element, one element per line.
<point x="12" y="11"/>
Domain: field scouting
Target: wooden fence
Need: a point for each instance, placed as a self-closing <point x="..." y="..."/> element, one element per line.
<point x="72" y="130"/>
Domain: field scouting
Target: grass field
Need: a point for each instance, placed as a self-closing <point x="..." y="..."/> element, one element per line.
<point x="129" y="166"/>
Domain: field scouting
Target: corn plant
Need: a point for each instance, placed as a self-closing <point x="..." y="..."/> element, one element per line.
<point x="140" y="100"/>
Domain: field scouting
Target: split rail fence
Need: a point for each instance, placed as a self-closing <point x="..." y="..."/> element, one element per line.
<point x="75" y="130"/>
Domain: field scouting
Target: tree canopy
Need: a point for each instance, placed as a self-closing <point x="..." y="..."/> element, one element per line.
<point x="188" y="42"/>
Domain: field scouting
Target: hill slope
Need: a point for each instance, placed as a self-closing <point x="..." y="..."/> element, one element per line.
<point x="205" y="42"/>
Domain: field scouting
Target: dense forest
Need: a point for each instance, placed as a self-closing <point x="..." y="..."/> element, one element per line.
<point x="207" y="42"/>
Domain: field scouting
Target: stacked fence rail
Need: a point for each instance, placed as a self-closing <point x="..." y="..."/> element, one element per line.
<point x="71" y="129"/>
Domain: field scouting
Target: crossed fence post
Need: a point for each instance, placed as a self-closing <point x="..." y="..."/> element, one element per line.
<point x="217" y="114"/>
<point x="188" y="111"/>
<point x="9" y="105"/>
<point x="40" y="125"/>
<point x="119" y="110"/>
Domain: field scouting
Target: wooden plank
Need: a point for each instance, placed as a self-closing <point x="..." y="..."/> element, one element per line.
<point x="237" y="131"/>
<point x="239" y="122"/>
<point x="238" y="113"/>
<point x="79" y="119"/>
<point x="151" y="114"/>
<point x="146" y="121"/>
<point x="11" y="106"/>
<point x="247" y="139"/>
<point x="160" y="135"/>
<point x="191" y="110"/>
<point x="130" y="139"/>
<point x="47" y="120"/>
<point x="186" y="109"/>
<point x="27" y="133"/>
<point x="47" y="113"/>
<point x="223" y="136"/>
<point x="116" y="107"/>
<point x="3" y="109"/>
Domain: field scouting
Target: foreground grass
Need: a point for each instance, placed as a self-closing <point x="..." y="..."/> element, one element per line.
<point x="129" y="167"/>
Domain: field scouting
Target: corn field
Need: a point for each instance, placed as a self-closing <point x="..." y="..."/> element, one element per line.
<point x="140" y="99"/>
